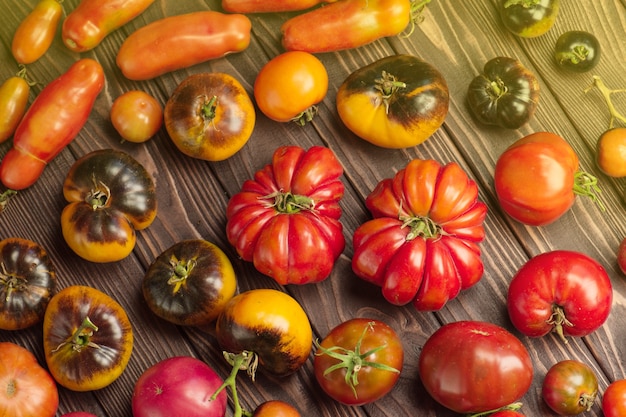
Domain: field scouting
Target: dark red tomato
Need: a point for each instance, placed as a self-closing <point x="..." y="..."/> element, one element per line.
<point x="473" y="367"/>
<point x="570" y="387"/>
<point x="35" y="34"/>
<point x="614" y="399"/>
<point x="537" y="179"/>
<point x="563" y="291"/>
<point x="179" y="386"/>
<point x="359" y="361"/>
<point x="27" y="282"/>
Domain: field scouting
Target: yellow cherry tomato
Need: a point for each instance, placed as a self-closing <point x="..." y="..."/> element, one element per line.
<point x="611" y="152"/>
<point x="137" y="116"/>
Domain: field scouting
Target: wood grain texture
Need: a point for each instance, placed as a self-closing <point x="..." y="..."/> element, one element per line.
<point x="457" y="37"/>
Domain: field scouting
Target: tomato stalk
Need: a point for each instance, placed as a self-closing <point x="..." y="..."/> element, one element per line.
<point x="353" y="360"/>
<point x="99" y="196"/>
<point x="421" y="227"/>
<point x="558" y="320"/>
<point x="182" y="270"/>
<point x="81" y="337"/>
<point x="11" y="282"/>
<point x="510" y="407"/>
<point x="289" y="203"/>
<point x="606" y="93"/>
<point x="524" y="3"/>
<point x="244" y="361"/>
<point x="586" y="185"/>
<point x="417" y="14"/>
<point x="5" y="197"/>
<point x="388" y="85"/>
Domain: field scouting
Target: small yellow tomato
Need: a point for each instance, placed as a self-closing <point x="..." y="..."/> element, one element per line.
<point x="137" y="116"/>
<point x="611" y="152"/>
<point x="13" y="102"/>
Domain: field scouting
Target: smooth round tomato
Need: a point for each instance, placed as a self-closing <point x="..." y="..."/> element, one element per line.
<point x="528" y="18"/>
<point x="473" y="367"/>
<point x="289" y="87"/>
<point x="87" y="338"/>
<point x="190" y="283"/>
<point x="286" y="219"/>
<point x="276" y="408"/>
<point x="110" y="196"/>
<point x="611" y="152"/>
<point x="537" y="179"/>
<point x="359" y="361"/>
<point x="395" y="102"/>
<point x="35" y="34"/>
<point x="614" y="399"/>
<point x="136" y="115"/>
<point x="422" y="245"/>
<point x="210" y="116"/>
<point x="577" y="51"/>
<point x="14" y="93"/>
<point x="621" y="255"/>
<point x="27" y="282"/>
<point x="178" y="386"/>
<point x="562" y="291"/>
<point x="570" y="387"/>
<point x="26" y="388"/>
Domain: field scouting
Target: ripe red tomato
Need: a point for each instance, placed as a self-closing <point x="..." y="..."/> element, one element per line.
<point x="35" y="34"/>
<point x="621" y="256"/>
<point x="570" y="387"/>
<point x="562" y="291"/>
<point x="136" y="115"/>
<point x="359" y="361"/>
<point x="179" y="386"/>
<point x="537" y="179"/>
<point x="473" y="367"/>
<point x="26" y="388"/>
<point x="422" y="245"/>
<point x="614" y="399"/>
<point x="289" y="87"/>
<point x="286" y="220"/>
<point x="506" y="413"/>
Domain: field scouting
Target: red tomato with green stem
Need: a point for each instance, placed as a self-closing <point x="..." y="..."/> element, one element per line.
<point x="614" y="399"/>
<point x="570" y="387"/>
<point x="537" y="179"/>
<point x="68" y="101"/>
<point x="35" y="34"/>
<point x="562" y="291"/>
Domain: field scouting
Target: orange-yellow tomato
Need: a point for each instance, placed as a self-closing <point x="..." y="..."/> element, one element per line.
<point x="13" y="102"/>
<point x="36" y="32"/>
<point x="611" y="152"/>
<point x="137" y="116"/>
<point x="276" y="408"/>
<point x="290" y="85"/>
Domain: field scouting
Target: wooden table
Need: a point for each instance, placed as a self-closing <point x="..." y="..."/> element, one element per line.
<point x="457" y="37"/>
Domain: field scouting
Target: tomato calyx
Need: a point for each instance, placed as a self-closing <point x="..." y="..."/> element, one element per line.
<point x="11" y="282"/>
<point x="586" y="185"/>
<point x="306" y="116"/>
<point x="5" y="197"/>
<point x="421" y="226"/>
<point x="289" y="203"/>
<point x="416" y="14"/>
<point x="207" y="109"/>
<point x="182" y="270"/>
<point x="353" y="360"/>
<point x="606" y="94"/>
<point x="98" y="197"/>
<point x="81" y="337"/>
<point x="527" y="4"/>
<point x="244" y="361"/>
<point x="511" y="407"/>
<point x="388" y="85"/>
<point x="558" y="320"/>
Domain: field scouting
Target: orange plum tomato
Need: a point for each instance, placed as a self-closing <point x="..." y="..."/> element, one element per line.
<point x="611" y="152"/>
<point x="14" y="94"/>
<point x="289" y="87"/>
<point x="136" y="115"/>
<point x="35" y="34"/>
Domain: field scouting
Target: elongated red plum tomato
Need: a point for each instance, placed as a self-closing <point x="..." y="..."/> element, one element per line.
<point x="14" y="94"/>
<point x="614" y="399"/>
<point x="289" y="87"/>
<point x="92" y="20"/>
<point x="528" y="18"/>
<point x="537" y="179"/>
<point x="35" y="34"/>
<point x="562" y="291"/>
<point x="178" y="386"/>
<point x="473" y="367"/>
<point x="136" y="115"/>
<point x="26" y="388"/>
<point x="269" y="6"/>
<point x="276" y="408"/>
<point x="570" y="387"/>
<point x="359" y="361"/>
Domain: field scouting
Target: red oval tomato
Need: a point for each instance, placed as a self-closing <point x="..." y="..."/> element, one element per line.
<point x="289" y="87"/>
<point x="178" y="386"/>
<point x="570" y="387"/>
<point x="136" y="115"/>
<point x="562" y="291"/>
<point x="275" y="408"/>
<point x="26" y="388"/>
<point x="473" y="367"/>
<point x="359" y="361"/>
<point x="614" y="399"/>
<point x="35" y="34"/>
<point x="537" y="179"/>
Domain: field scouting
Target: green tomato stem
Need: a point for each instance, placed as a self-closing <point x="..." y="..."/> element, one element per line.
<point x="586" y="185"/>
<point x="524" y="3"/>
<point x="511" y="407"/>
<point x="244" y="361"/>
<point x="606" y="94"/>
<point x="5" y="197"/>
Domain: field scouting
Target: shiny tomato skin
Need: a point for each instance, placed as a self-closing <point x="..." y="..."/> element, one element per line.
<point x="473" y="367"/>
<point x="26" y="388"/>
<point x="373" y="383"/>
<point x="614" y="399"/>
<point x="528" y="19"/>
<point x="68" y="101"/>
<point x="92" y="20"/>
<point x="269" y="323"/>
<point x="35" y="34"/>
<point x="563" y="291"/>
<point x="577" y="51"/>
<point x="14" y="94"/>
<point x="621" y="256"/>
<point x="289" y="85"/>
<point x="87" y="338"/>
<point x="345" y="24"/>
<point x="506" y="413"/>
<point x="178" y="386"/>
<point x="184" y="40"/>
<point x="611" y="152"/>
<point x="269" y="6"/>
<point x="136" y="115"/>
<point x="276" y="408"/>
<point x="210" y="116"/>
<point x="569" y="388"/>
<point x="535" y="178"/>
<point x="286" y="220"/>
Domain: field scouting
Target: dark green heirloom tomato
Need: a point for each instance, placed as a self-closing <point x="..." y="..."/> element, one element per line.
<point x="190" y="283"/>
<point x="110" y="195"/>
<point x="27" y="282"/>
<point x="87" y="338"/>
<point x="577" y="51"/>
<point x="506" y="94"/>
<point x="528" y="18"/>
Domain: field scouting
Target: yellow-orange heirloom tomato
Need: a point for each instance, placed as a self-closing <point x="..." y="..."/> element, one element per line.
<point x="13" y="102"/>
<point x="136" y="115"/>
<point x="611" y="152"/>
<point x="36" y="32"/>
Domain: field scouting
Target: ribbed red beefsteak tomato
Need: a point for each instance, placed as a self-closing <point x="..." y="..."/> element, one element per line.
<point x="422" y="245"/>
